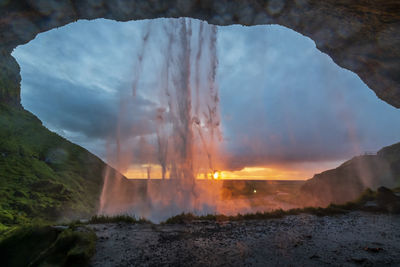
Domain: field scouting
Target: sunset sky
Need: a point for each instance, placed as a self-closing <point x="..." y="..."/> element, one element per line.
<point x="288" y="111"/>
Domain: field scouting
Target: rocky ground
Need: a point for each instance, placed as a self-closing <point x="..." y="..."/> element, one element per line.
<point x="356" y="238"/>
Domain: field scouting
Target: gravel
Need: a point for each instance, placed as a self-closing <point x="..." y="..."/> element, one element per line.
<point x="352" y="239"/>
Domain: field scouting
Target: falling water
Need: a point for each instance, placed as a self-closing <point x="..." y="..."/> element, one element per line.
<point x="187" y="119"/>
<point x="140" y="57"/>
<point x="191" y="129"/>
<point x="178" y="115"/>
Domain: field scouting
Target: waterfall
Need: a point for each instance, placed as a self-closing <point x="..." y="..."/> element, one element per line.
<point x="187" y="135"/>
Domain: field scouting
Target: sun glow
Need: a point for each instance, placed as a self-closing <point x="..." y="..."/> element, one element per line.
<point x="216" y="175"/>
<point x="145" y="171"/>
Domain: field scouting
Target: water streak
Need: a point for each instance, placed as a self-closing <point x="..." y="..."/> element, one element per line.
<point x="187" y="135"/>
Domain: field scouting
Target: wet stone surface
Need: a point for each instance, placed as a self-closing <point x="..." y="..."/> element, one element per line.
<point x="355" y="239"/>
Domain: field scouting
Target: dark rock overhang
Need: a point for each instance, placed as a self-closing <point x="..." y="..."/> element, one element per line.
<point x="362" y="36"/>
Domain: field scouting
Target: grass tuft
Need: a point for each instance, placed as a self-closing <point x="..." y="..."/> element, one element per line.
<point x="100" y="219"/>
<point x="331" y="210"/>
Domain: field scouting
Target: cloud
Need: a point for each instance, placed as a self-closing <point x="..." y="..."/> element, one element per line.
<point x="285" y="102"/>
<point x="282" y="100"/>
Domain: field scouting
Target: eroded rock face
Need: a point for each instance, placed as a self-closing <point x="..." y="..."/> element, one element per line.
<point x="360" y="35"/>
<point x="349" y="180"/>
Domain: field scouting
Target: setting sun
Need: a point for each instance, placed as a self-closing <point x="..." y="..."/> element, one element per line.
<point x="215" y="175"/>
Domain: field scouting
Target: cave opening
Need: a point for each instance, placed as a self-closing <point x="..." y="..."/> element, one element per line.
<point x="287" y="111"/>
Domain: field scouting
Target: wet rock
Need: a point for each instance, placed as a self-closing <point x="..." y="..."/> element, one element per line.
<point x="374" y="250"/>
<point x="340" y="240"/>
<point x="387" y="200"/>
<point x="371" y="204"/>
<point x="359" y="260"/>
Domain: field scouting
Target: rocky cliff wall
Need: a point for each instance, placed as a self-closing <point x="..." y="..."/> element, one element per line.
<point x="360" y="35"/>
<point x="349" y="180"/>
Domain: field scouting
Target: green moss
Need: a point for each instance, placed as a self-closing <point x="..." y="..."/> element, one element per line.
<point x="4" y="229"/>
<point x="6" y="217"/>
<point x="41" y="245"/>
<point x="72" y="248"/>
<point x="22" y="245"/>
<point x="42" y="175"/>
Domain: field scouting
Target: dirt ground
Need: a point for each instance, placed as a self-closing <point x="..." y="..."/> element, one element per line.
<point x="356" y="238"/>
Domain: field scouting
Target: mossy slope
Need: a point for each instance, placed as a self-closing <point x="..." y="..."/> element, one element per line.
<point x="43" y="175"/>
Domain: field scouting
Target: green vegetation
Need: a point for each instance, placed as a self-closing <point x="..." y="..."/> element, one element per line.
<point x="276" y="214"/>
<point x="34" y="245"/>
<point x="98" y="219"/>
<point x="333" y="209"/>
<point x="74" y="244"/>
<point x="43" y="177"/>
